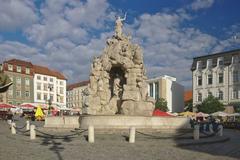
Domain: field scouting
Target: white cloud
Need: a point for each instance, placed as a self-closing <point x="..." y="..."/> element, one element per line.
<point x="12" y="49"/>
<point x="16" y="14"/>
<point x="71" y="19"/>
<point x="201" y="4"/>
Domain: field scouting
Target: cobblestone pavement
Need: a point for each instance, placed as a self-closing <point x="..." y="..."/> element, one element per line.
<point x="111" y="147"/>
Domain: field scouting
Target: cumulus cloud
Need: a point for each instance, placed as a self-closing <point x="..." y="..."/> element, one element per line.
<point x="16" y="14"/>
<point x="13" y="49"/>
<point x="201" y="4"/>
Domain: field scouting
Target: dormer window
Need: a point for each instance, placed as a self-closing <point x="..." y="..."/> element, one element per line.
<point x="199" y="65"/>
<point x="19" y="69"/>
<point x="209" y="63"/>
<point x="220" y="62"/>
<point x="10" y="67"/>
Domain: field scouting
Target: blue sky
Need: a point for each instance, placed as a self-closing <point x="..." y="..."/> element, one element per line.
<point x="65" y="35"/>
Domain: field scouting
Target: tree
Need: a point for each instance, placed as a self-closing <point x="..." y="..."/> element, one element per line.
<point x="210" y="105"/>
<point x="188" y="105"/>
<point x="161" y="104"/>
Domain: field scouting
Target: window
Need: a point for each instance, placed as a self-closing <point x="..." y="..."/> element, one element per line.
<point x="199" y="80"/>
<point x="38" y="86"/>
<point x="61" y="99"/>
<point x="61" y="82"/>
<point x="27" y="94"/>
<point x="18" y="79"/>
<point x="220" y="78"/>
<point x="199" y="65"/>
<point x="235" y="76"/>
<point x="151" y="89"/>
<point x="51" y="79"/>
<point x="235" y="94"/>
<point x="39" y="77"/>
<point x="45" y="97"/>
<point x="209" y="79"/>
<point x="199" y="97"/>
<point x="220" y="61"/>
<point x="10" y="67"/>
<point x="45" y="86"/>
<point x="61" y="90"/>
<point x="18" y="93"/>
<point x="19" y="69"/>
<point x="27" y="70"/>
<point x="45" y="78"/>
<point x="220" y="95"/>
<point x="209" y="93"/>
<point x="10" y="92"/>
<point x="27" y="81"/>
<point x="51" y="97"/>
<point x="39" y="97"/>
<point x="209" y="63"/>
<point x="156" y="90"/>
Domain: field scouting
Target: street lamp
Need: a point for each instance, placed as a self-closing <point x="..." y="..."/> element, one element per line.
<point x="50" y="87"/>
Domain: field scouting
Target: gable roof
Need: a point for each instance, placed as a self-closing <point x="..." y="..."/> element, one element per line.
<point x="46" y="71"/>
<point x="75" y="85"/>
<point x="19" y="62"/>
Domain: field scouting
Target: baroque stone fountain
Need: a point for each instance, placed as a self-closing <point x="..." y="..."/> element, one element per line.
<point x="117" y="79"/>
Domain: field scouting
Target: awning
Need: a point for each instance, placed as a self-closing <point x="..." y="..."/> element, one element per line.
<point x="158" y="112"/>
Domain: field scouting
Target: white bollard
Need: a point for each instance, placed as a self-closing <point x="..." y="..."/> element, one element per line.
<point x="13" y="129"/>
<point x="32" y="132"/>
<point x="196" y="132"/>
<point x="9" y="121"/>
<point x="27" y="125"/>
<point x="220" y="130"/>
<point x="210" y="128"/>
<point x="90" y="134"/>
<point x="132" y="132"/>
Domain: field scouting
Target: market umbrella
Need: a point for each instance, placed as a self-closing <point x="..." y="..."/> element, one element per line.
<point x="27" y="106"/>
<point x="219" y="114"/>
<point x="6" y="106"/>
<point x="158" y="112"/>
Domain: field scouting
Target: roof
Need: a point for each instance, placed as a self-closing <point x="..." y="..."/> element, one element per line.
<point x="188" y="95"/>
<point x="75" y="85"/>
<point x="46" y="71"/>
<point x="227" y="58"/>
<point x="19" y="62"/>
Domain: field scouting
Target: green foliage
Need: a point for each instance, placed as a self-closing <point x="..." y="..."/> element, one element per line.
<point x="210" y="105"/>
<point x="161" y="104"/>
<point x="236" y="106"/>
<point x="189" y="106"/>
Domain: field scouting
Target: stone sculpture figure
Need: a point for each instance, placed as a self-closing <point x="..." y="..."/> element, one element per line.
<point x="118" y="27"/>
<point x="117" y="87"/>
<point x="117" y="79"/>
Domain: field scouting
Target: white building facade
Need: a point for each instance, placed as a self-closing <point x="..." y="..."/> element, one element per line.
<point x="218" y="75"/>
<point x="166" y="87"/>
<point x="75" y="96"/>
<point x="49" y="86"/>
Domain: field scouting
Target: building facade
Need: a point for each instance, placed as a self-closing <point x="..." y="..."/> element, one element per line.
<point x="166" y="87"/>
<point x="21" y="73"/>
<point x="74" y="94"/>
<point x="50" y="86"/>
<point x="33" y="84"/>
<point x="218" y="75"/>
